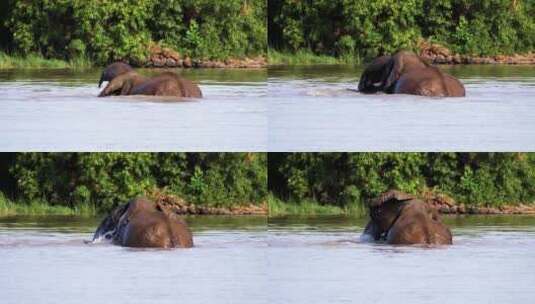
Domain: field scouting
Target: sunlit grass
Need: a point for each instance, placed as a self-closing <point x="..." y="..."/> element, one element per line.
<point x="278" y="207"/>
<point x="35" y="61"/>
<point x="8" y="207"/>
<point x="307" y="57"/>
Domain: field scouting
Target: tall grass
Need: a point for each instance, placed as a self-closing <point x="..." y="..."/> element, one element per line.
<point x="8" y="207"/>
<point x="307" y="57"/>
<point x="35" y="61"/>
<point x="278" y="207"/>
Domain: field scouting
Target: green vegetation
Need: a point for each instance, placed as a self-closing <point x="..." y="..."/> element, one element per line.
<point x="304" y="57"/>
<point x="101" y="181"/>
<point x="365" y="29"/>
<point x="111" y="30"/>
<point x="278" y="207"/>
<point x="33" y="61"/>
<point x="8" y="207"/>
<point x="348" y="180"/>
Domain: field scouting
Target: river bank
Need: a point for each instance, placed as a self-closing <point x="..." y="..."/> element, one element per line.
<point x="441" y="202"/>
<point x="180" y="206"/>
<point x="158" y="58"/>
<point x="433" y="53"/>
<point x="170" y="202"/>
<point x="439" y="54"/>
<point x="446" y="205"/>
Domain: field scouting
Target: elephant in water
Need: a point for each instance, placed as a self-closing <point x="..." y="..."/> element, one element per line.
<point x="399" y="218"/>
<point x="123" y="80"/>
<point x="141" y="223"/>
<point x="407" y="73"/>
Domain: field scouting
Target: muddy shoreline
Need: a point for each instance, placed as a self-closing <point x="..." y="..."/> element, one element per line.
<point x="180" y="206"/>
<point x="438" y="54"/>
<point x="446" y="205"/>
<point x="167" y="58"/>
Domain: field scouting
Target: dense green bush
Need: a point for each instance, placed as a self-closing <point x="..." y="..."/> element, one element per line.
<point x="107" y="179"/>
<point x="109" y="30"/>
<point x="368" y="28"/>
<point x="345" y="178"/>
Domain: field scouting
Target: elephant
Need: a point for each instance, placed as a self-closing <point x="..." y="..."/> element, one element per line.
<point x="141" y="223"/>
<point x="407" y="73"/>
<point x="123" y="80"/>
<point x="401" y="219"/>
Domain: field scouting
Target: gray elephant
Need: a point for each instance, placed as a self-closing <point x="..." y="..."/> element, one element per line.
<point x="400" y="218"/>
<point x="407" y="73"/>
<point x="123" y="80"/>
<point x="141" y="223"/>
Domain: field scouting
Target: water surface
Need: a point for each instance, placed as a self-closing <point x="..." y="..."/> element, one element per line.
<point x="311" y="109"/>
<point x="320" y="260"/>
<point x="45" y="260"/>
<point x="57" y="110"/>
<point x="279" y="260"/>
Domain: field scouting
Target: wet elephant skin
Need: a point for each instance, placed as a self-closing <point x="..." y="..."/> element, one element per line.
<point x="399" y="218"/>
<point x="123" y="80"/>
<point x="407" y="73"/>
<point x="141" y="223"/>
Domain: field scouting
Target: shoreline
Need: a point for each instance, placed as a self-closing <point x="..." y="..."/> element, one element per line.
<point x="434" y="54"/>
<point x="440" y="202"/>
<point x="161" y="60"/>
<point x="438" y="54"/>
<point x="179" y="206"/>
<point x="167" y="58"/>
<point x="446" y="205"/>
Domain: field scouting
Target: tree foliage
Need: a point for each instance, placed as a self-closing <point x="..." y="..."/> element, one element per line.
<point x="107" y="179"/>
<point x="370" y="28"/>
<point x="345" y="178"/>
<point x="107" y="30"/>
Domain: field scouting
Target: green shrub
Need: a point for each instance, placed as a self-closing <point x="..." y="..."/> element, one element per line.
<point x="346" y="179"/>
<point x="124" y="29"/>
<point x="486" y="27"/>
<point x="104" y="180"/>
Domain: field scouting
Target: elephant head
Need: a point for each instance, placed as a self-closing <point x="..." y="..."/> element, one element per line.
<point x="384" y="211"/>
<point x="373" y="79"/>
<point x="399" y="218"/>
<point x="122" y="84"/>
<point x="141" y="223"/>
<point x="113" y="70"/>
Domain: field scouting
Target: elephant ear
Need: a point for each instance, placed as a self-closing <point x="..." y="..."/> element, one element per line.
<point x="391" y="195"/>
<point x="127" y="87"/>
<point x="113" y="70"/>
<point x="393" y="72"/>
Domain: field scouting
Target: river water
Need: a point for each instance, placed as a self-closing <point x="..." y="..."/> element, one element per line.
<point x="279" y="109"/>
<point x="45" y="260"/>
<point x="281" y="260"/>
<point x="311" y="109"/>
<point x="320" y="260"/>
<point x="57" y="110"/>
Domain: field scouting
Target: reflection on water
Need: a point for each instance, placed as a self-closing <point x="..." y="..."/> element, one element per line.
<point x="313" y="108"/>
<point x="44" y="110"/>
